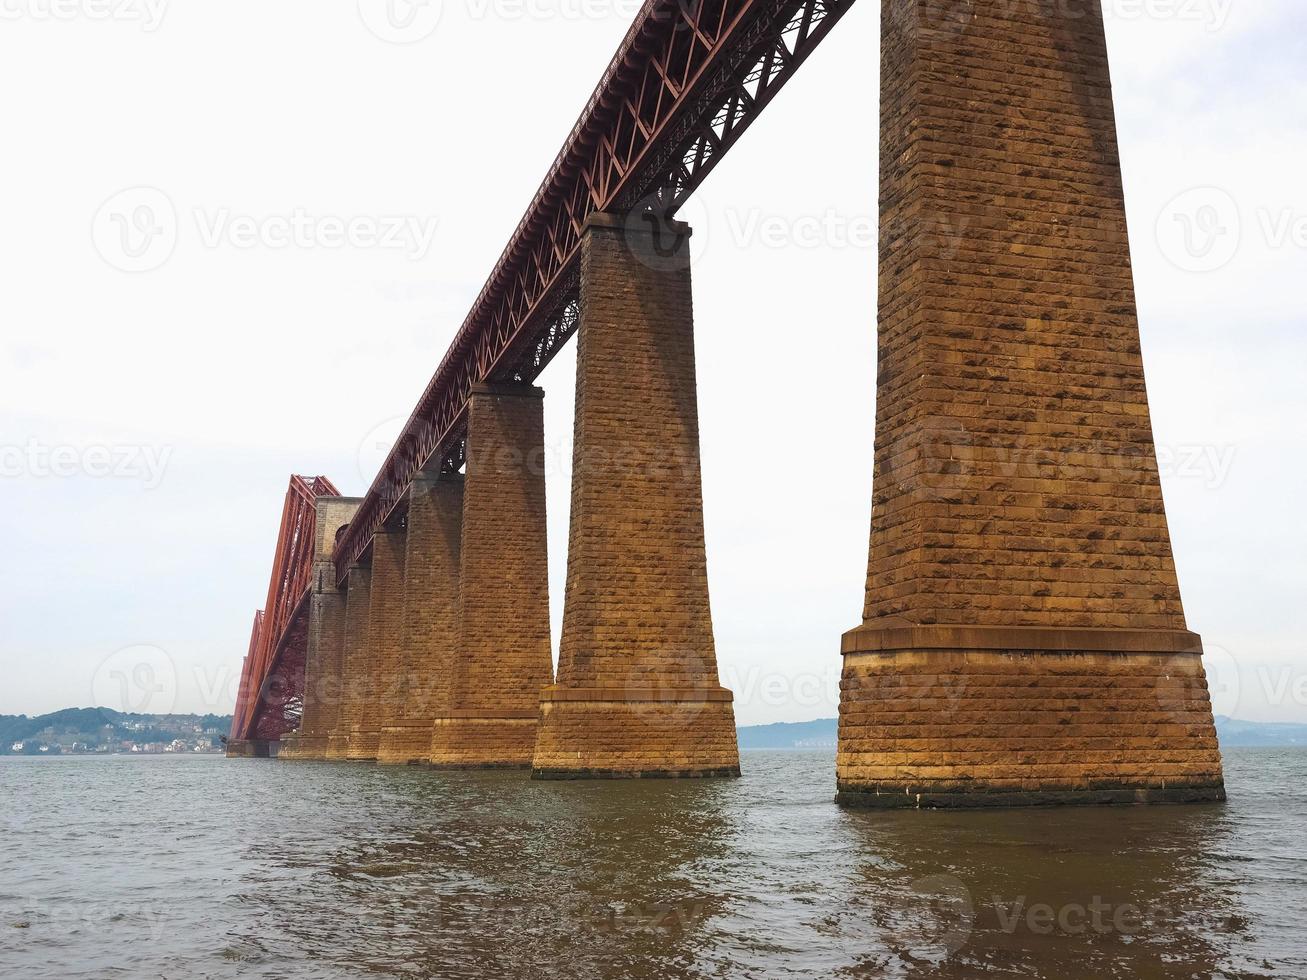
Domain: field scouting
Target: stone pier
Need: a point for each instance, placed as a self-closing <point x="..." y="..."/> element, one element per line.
<point x="638" y="691"/>
<point x="252" y="749"/>
<point x="502" y="659"/>
<point x="431" y="570"/>
<point x="355" y="662"/>
<point x="326" y="637"/>
<point x="385" y="643"/>
<point x="1023" y="638"/>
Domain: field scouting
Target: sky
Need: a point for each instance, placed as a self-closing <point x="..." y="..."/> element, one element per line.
<point x="332" y="183"/>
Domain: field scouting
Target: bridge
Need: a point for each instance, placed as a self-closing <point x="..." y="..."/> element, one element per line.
<point x="270" y="702"/>
<point x="1023" y="638"/>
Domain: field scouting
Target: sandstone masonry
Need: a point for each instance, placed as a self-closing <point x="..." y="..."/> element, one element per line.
<point x="431" y="598"/>
<point x="357" y="664"/>
<point x="638" y="692"/>
<point x="1023" y="638"/>
<point x="326" y="637"/>
<point x="503" y="656"/>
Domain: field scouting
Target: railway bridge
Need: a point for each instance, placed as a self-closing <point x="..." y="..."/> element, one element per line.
<point x="1023" y="638"/>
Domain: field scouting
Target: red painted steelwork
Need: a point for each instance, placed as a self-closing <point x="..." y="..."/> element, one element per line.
<point x="246" y="667"/>
<point x="687" y="80"/>
<point x="270" y="687"/>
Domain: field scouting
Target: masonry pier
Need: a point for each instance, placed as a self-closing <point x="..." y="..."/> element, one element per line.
<point x="431" y="572"/>
<point x="356" y="663"/>
<point x="502" y="659"/>
<point x="1023" y="639"/>
<point x="638" y="693"/>
<point x="326" y="637"/>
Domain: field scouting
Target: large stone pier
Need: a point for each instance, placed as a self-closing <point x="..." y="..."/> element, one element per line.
<point x="638" y="692"/>
<point x="430" y="640"/>
<point x="502" y="659"/>
<point x="1023" y="639"/>
<point x="326" y="638"/>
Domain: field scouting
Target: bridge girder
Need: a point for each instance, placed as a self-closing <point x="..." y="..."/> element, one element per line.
<point x="271" y="687"/>
<point x="686" y="82"/>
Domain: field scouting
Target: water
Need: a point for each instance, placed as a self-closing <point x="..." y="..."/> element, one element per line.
<point x="204" y="867"/>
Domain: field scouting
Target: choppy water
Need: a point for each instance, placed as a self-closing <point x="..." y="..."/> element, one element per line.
<point x="203" y="867"/>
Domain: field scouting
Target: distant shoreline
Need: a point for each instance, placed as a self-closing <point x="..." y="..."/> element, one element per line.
<point x="822" y="735"/>
<point x="83" y="732"/>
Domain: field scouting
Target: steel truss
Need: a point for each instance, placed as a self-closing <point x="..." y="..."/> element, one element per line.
<point x="687" y="81"/>
<point x="272" y="677"/>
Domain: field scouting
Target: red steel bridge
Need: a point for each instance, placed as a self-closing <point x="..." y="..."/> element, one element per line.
<point x="272" y="677"/>
<point x="688" y="79"/>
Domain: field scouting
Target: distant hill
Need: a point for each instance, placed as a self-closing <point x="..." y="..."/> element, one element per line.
<point x="821" y="734"/>
<point x="818" y="734"/>
<point x="1259" y="733"/>
<point x="103" y="730"/>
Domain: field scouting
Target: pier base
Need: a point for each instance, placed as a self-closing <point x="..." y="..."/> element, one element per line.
<point x="977" y="717"/>
<point x="621" y="734"/>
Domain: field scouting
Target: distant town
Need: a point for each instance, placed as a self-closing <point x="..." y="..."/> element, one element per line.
<point x="102" y="731"/>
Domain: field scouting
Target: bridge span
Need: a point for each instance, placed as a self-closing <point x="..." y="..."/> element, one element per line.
<point x="1022" y="640"/>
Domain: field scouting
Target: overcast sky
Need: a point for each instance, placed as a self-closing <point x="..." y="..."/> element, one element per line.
<point x="154" y="399"/>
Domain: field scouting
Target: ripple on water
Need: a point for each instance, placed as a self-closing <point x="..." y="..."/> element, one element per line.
<point x="196" y="867"/>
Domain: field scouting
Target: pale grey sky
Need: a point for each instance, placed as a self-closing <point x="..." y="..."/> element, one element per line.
<point x="149" y="418"/>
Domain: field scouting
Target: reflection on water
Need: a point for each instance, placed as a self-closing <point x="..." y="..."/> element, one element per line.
<point x="208" y="868"/>
<point x="1066" y="893"/>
